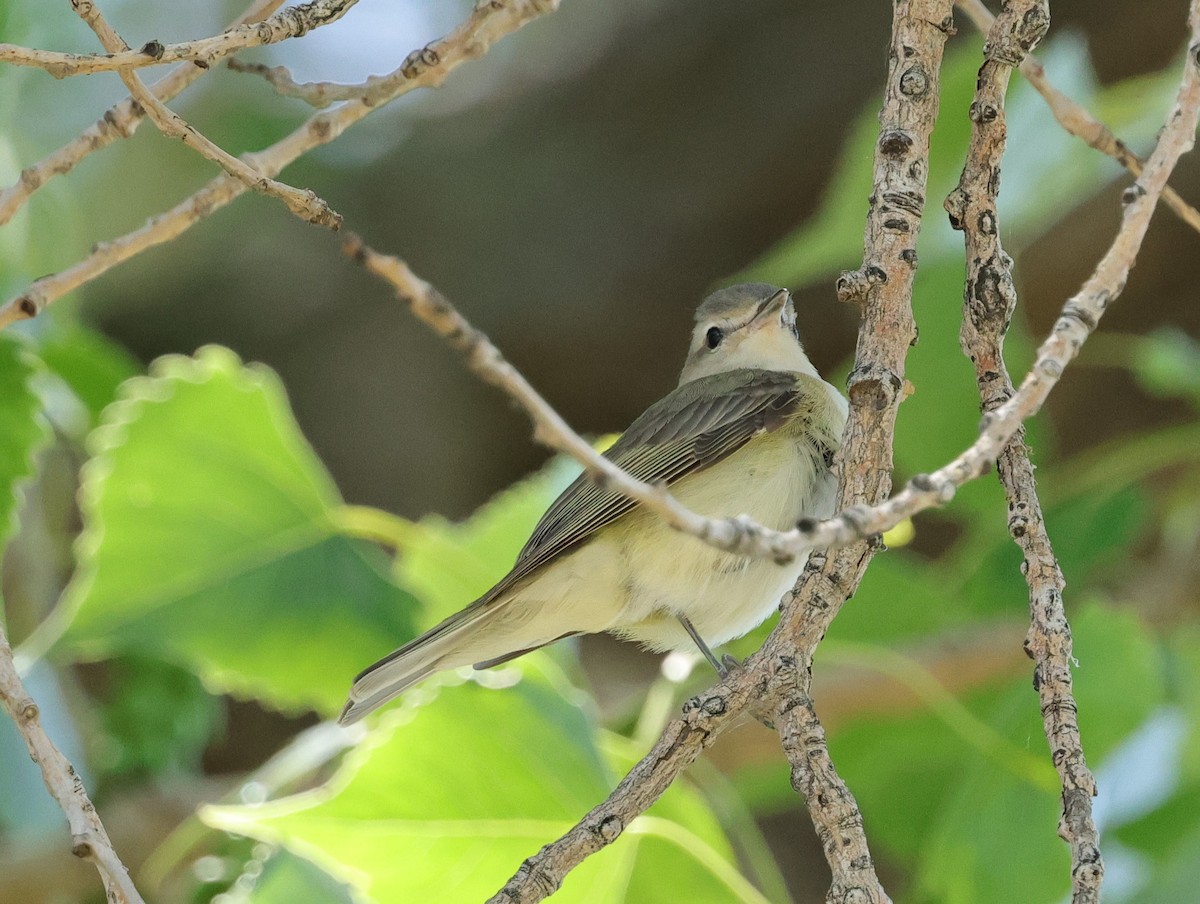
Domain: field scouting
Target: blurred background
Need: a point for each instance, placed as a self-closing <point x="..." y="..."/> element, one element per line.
<point x="576" y="193"/>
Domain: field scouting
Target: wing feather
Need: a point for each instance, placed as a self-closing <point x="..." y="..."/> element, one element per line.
<point x="696" y="426"/>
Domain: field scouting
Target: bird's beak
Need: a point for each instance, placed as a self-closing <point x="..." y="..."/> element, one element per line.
<point x="777" y="307"/>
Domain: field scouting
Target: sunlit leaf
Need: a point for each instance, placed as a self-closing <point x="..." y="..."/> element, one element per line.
<point x="444" y="801"/>
<point x="209" y="540"/>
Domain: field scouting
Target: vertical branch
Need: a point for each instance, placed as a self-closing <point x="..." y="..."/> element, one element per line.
<point x="88" y="838"/>
<point x="989" y="299"/>
<point x="883" y="288"/>
<point x="1078" y="121"/>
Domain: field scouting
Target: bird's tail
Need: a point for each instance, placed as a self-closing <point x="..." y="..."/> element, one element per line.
<point x="441" y="647"/>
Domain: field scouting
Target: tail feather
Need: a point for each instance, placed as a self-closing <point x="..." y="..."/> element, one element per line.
<point x="413" y="662"/>
<point x="357" y="709"/>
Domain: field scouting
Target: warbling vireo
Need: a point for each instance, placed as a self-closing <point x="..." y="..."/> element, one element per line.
<point x="751" y="429"/>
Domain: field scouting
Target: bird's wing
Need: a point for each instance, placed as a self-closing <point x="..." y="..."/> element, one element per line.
<point x="696" y="426"/>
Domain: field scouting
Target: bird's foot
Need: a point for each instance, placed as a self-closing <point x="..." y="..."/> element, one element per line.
<point x="728" y="666"/>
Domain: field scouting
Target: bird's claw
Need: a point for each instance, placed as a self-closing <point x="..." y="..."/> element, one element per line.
<point x="729" y="665"/>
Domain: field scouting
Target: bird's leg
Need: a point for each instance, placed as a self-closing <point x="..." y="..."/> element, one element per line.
<point x="722" y="667"/>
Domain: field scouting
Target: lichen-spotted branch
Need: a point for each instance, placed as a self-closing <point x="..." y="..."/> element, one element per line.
<point x="1078" y="121"/>
<point x="989" y="302"/>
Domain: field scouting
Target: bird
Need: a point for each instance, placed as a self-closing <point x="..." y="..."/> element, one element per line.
<point x="751" y="429"/>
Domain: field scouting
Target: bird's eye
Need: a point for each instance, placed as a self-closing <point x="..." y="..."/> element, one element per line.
<point x="714" y="336"/>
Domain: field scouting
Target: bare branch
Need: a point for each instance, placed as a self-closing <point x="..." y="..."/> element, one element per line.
<point x="119" y="121"/>
<point x="883" y="287"/>
<point x="315" y="94"/>
<point x="426" y="67"/>
<point x="990" y="300"/>
<point x="88" y="838"/>
<point x="1078" y="121"/>
<point x="292" y="22"/>
<point x="303" y="203"/>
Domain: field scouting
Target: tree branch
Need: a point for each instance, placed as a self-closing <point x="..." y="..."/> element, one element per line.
<point x="1077" y="120"/>
<point x="883" y="288"/>
<point x="989" y="302"/>
<point x="88" y="838"/>
<point x="292" y="22"/>
<point x="315" y="94"/>
<point x="303" y="203"/>
<point x="426" y="67"/>
<point x="990" y="299"/>
<point x="119" y="121"/>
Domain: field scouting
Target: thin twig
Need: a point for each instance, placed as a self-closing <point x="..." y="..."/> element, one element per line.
<point x="302" y="202"/>
<point x="119" y="121"/>
<point x="426" y="67"/>
<point x="88" y="837"/>
<point x="315" y="94"/>
<point x="292" y="22"/>
<point x="990" y="300"/>
<point x="1078" y="121"/>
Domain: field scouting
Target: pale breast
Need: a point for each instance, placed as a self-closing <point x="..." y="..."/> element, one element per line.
<point x="776" y="480"/>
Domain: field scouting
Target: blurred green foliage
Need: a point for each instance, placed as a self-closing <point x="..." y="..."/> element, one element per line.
<point x="218" y="558"/>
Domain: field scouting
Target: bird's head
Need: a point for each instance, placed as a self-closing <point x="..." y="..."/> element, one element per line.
<point x="752" y="325"/>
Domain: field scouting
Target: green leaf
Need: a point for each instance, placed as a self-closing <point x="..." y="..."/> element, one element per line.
<point x="961" y="800"/>
<point x="1167" y="363"/>
<point x="24" y="429"/>
<point x="445" y="800"/>
<point x="155" y="718"/>
<point x="210" y="540"/>
<point x="89" y="363"/>
<point x="1120" y="674"/>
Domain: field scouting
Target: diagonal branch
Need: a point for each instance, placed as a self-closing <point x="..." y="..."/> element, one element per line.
<point x="88" y="838"/>
<point x="1077" y="120"/>
<point x="292" y="22"/>
<point x="304" y="204"/>
<point x="989" y="302"/>
<point x="426" y="67"/>
<point x="119" y="121"/>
